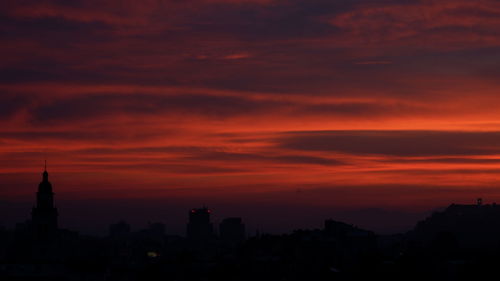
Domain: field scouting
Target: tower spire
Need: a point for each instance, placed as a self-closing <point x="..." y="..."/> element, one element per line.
<point x="45" y="173"/>
<point x="44" y="214"/>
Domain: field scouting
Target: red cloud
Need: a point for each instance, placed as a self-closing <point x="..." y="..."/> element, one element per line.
<point x="429" y="23"/>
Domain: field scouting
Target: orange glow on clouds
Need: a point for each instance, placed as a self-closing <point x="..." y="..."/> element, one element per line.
<point x="348" y="104"/>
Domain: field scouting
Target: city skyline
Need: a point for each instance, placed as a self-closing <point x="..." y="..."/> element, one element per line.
<point x="44" y="220"/>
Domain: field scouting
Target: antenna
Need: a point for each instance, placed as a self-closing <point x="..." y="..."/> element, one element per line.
<point x="44" y="153"/>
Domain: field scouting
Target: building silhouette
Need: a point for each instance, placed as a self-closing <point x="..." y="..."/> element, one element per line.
<point x="44" y="214"/>
<point x="232" y="230"/>
<point x="120" y="229"/>
<point x="199" y="226"/>
<point x="472" y="226"/>
<point x="461" y="242"/>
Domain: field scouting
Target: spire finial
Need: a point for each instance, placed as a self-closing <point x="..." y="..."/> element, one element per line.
<point x="45" y="173"/>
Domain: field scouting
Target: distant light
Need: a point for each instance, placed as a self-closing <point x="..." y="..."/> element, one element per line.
<point x="209" y="211"/>
<point x="333" y="269"/>
<point x="153" y="255"/>
<point x="193" y="211"/>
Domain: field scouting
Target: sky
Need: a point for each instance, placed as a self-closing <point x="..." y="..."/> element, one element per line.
<point x="284" y="112"/>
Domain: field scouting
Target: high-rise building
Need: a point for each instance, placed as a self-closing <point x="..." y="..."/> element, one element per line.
<point x="44" y="214"/>
<point x="232" y="230"/>
<point x="199" y="226"/>
<point x="119" y="230"/>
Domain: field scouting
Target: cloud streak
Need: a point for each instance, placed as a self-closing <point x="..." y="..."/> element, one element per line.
<point x="396" y="143"/>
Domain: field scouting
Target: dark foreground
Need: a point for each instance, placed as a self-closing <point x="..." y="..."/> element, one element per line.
<point x="459" y="243"/>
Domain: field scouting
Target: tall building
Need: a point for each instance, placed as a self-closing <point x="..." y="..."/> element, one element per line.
<point x="119" y="230"/>
<point x="44" y="214"/>
<point x="199" y="226"/>
<point x="232" y="230"/>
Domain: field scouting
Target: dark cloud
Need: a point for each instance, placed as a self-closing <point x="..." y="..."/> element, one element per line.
<point x="363" y="109"/>
<point x="83" y="135"/>
<point x="446" y="160"/>
<point x="151" y="149"/>
<point x="231" y="157"/>
<point x="444" y="174"/>
<point x="89" y="107"/>
<point x="394" y="143"/>
<point x="281" y="20"/>
<point x="92" y="106"/>
<point x="181" y="154"/>
<point x="166" y="168"/>
<point x="53" y="31"/>
<point x="11" y="104"/>
<point x="155" y="43"/>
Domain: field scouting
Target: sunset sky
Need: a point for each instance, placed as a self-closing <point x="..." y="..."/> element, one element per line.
<point x="297" y="108"/>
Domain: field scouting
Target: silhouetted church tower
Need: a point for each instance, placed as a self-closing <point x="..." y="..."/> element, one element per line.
<point x="44" y="214"/>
